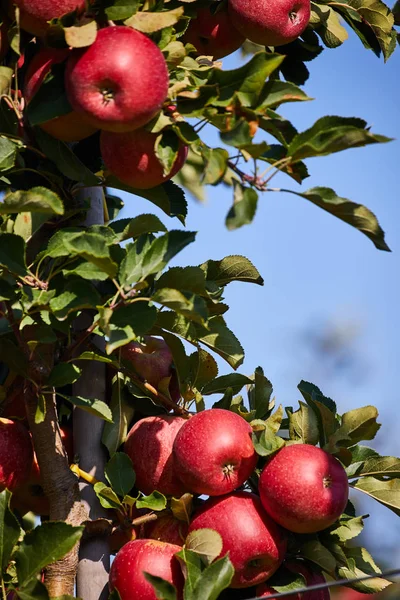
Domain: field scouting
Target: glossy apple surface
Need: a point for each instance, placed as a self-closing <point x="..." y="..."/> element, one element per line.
<point x="213" y="34"/>
<point x="149" y="446"/>
<point x="303" y="488"/>
<point x="35" y="14"/>
<point x="311" y="578"/>
<point x="256" y="544"/>
<point x="214" y="452"/>
<point x="270" y="22"/>
<point x="167" y="529"/>
<point x="156" y="558"/>
<point x="120" y="82"/>
<point x="152" y="360"/>
<point x="70" y="127"/>
<point x="16" y="454"/>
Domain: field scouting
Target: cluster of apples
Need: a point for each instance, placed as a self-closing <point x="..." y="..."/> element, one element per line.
<point x="120" y="82"/>
<point x="301" y="489"/>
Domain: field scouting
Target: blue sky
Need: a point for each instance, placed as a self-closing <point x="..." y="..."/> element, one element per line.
<point x="319" y="272"/>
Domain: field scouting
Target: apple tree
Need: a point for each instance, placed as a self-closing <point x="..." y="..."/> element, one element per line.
<point x="108" y="444"/>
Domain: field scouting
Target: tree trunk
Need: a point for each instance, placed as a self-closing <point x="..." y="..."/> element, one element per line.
<point x="94" y="553"/>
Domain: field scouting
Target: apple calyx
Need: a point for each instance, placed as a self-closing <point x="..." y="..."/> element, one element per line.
<point x="228" y="470"/>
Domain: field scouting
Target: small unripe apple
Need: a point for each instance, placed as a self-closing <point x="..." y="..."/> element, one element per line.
<point x="167" y="529"/>
<point x="132" y="158"/>
<point x="150" y="556"/>
<point x="303" y="488"/>
<point x="270" y="22"/>
<point x="71" y="127"/>
<point x="256" y="544"/>
<point x="35" y="14"/>
<point x="213" y="34"/>
<point x="214" y="452"/>
<point x="120" y="82"/>
<point x="149" y="446"/>
<point x="311" y="578"/>
<point x="151" y="360"/>
<point x="16" y="454"/>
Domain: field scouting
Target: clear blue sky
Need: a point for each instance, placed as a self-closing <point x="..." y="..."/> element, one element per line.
<point x="319" y="271"/>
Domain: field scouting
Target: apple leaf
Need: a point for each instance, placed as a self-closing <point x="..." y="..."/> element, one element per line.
<point x="92" y="247"/>
<point x="155" y="501"/>
<point x="129" y="322"/>
<point x="45" y="544"/>
<point x="114" y="595"/>
<point x="358" y="424"/>
<point x="286" y="581"/>
<point x="120" y="474"/>
<point x="114" y="434"/>
<point x="275" y="92"/>
<point x="149" y="22"/>
<point x="259" y="394"/>
<point x="82" y="35"/>
<point x="386" y="492"/>
<point x="214" y="579"/>
<point x="318" y="554"/>
<point x="37" y="199"/>
<point x="164" y="589"/>
<point x="126" y="229"/>
<point x="12" y="253"/>
<point x="190" y="279"/>
<point x="107" y="497"/>
<point x="33" y="590"/>
<point x="324" y="408"/>
<point x="95" y="407"/>
<point x="346" y="529"/>
<point x="360" y="563"/>
<point x="77" y="294"/>
<point x="375" y="466"/>
<point x="221" y="340"/>
<point x="303" y="425"/>
<point x="236" y="381"/>
<point x="182" y="507"/>
<point x="9" y="529"/>
<point x="63" y="374"/>
<point x="189" y="305"/>
<point x="231" y="268"/>
<point x="8" y="153"/>
<point x="267" y="443"/>
<point x="244" y="207"/>
<point x="206" y="542"/>
<point x="191" y="565"/>
<point x="122" y="9"/>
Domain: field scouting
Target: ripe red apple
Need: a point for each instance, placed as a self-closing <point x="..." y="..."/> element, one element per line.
<point x="35" y="14"/>
<point x="149" y="446"/>
<point x="131" y="157"/>
<point x="345" y="593"/>
<point x="156" y="558"/>
<point x="311" y="578"/>
<point x="256" y="544"/>
<point x="151" y="360"/>
<point x="270" y="22"/>
<point x="71" y="127"/>
<point x="121" y="94"/>
<point x="304" y="488"/>
<point x="167" y="529"/>
<point x="214" y="452"/>
<point x="16" y="454"/>
<point x="213" y="34"/>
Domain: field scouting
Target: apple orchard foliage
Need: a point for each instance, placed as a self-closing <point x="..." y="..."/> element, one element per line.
<point x="118" y="273"/>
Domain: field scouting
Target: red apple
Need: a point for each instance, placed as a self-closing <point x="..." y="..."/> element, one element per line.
<point x="167" y="529"/>
<point x="270" y="22"/>
<point x="131" y="157"/>
<point x="304" y="488"/>
<point x="214" y="452"/>
<point x="150" y="556"/>
<point x="35" y="14"/>
<point x="151" y="360"/>
<point x="345" y="593"/>
<point x="213" y="34"/>
<point x="149" y="446"/>
<point x="71" y="127"/>
<point x="311" y="578"/>
<point x="256" y="544"/>
<point x="16" y="454"/>
<point x="121" y="94"/>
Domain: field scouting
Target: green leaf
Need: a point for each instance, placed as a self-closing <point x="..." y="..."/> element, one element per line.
<point x="235" y="381"/>
<point x="191" y="279"/>
<point x="129" y="322"/>
<point x="386" y="492"/>
<point x="114" y="434"/>
<point x="50" y="100"/>
<point x="303" y="425"/>
<point x="9" y="529"/>
<point x="13" y="357"/>
<point x="126" y="229"/>
<point x="347" y="529"/>
<point x="267" y="443"/>
<point x="275" y="92"/>
<point x="231" y="268"/>
<point x="93" y="248"/>
<point x="246" y="82"/>
<point x="76" y="296"/>
<point x="107" y="497"/>
<point x="376" y="466"/>
<point x="63" y="374"/>
<point x="204" y="368"/>
<point x="244" y="207"/>
<point x="8" y="153"/>
<point x="221" y="340"/>
<point x="33" y="590"/>
<point x="163" y="249"/>
<point x="332" y="134"/>
<point x="214" y="579"/>
<point x="122" y="9"/>
<point x="360" y="563"/>
<point x="12" y="253"/>
<point x="286" y="581"/>
<point x="215" y="164"/>
<point x="191" y="565"/>
<point x="206" y="542"/>
<point x="357" y="425"/>
<point x="155" y="501"/>
<point x="45" y="544"/>
<point x="164" y="590"/>
<point x="149" y="22"/>
<point x="120" y="474"/>
<point x="98" y="408"/>
<point x="86" y="270"/>
<point x="260" y="394"/>
<point x="191" y="306"/>
<point x="318" y="554"/>
<point x="324" y="408"/>
<point x="37" y="199"/>
<point x="354" y="214"/>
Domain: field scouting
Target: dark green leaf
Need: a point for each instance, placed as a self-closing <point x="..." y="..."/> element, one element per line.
<point x="64" y="374"/>
<point x="231" y="268"/>
<point x="12" y="253"/>
<point x="37" y="199"/>
<point x="120" y="474"/>
<point x="191" y="279"/>
<point x="357" y="425"/>
<point x="191" y="565"/>
<point x="309" y="391"/>
<point x="235" y="381"/>
<point x="8" y="153"/>
<point x="98" y="408"/>
<point x="318" y="554"/>
<point x="129" y="322"/>
<point x="260" y="395"/>
<point x="77" y="295"/>
<point x="114" y="434"/>
<point x="189" y="305"/>
<point x="155" y="501"/>
<point x="244" y="207"/>
<point x="9" y="529"/>
<point x="164" y="590"/>
<point x="221" y="340"/>
<point x="43" y="545"/>
<point x="126" y="229"/>
<point x="33" y="590"/>
<point x="214" y="579"/>
<point x="121" y="9"/>
<point x="50" y="100"/>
